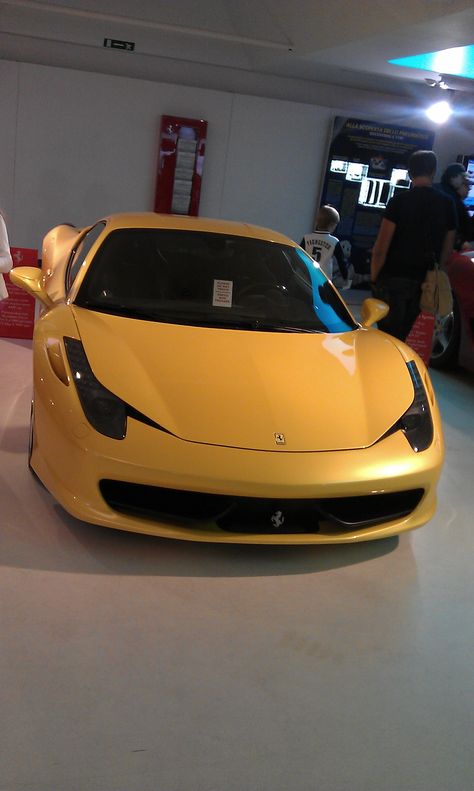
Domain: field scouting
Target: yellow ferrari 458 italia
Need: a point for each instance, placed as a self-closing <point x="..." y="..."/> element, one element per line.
<point x="203" y="380"/>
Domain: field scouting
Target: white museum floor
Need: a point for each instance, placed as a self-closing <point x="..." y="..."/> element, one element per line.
<point x="130" y="663"/>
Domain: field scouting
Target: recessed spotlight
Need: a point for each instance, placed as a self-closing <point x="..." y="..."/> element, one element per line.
<point x="439" y="112"/>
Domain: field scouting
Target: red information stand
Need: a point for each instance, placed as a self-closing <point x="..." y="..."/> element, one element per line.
<point x="17" y="313"/>
<point x="180" y="165"/>
<point x="421" y="336"/>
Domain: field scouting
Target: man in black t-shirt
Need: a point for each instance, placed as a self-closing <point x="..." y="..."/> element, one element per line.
<point x="417" y="230"/>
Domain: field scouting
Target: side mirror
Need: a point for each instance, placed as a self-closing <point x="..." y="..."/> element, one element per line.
<point x="372" y="311"/>
<point x="30" y="279"/>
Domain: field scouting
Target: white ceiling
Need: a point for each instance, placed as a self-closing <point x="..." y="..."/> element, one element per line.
<point x="267" y="47"/>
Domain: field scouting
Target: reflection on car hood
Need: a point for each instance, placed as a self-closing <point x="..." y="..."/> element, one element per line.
<point x="240" y="388"/>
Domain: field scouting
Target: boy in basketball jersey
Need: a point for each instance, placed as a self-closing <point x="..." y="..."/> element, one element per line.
<point x="323" y="246"/>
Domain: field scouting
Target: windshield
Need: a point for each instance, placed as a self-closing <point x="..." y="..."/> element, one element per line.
<point x="211" y="279"/>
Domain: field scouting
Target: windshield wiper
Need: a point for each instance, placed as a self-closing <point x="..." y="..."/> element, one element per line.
<point x="269" y="327"/>
<point x="192" y="318"/>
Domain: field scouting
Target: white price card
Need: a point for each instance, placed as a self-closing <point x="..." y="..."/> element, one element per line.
<point x="222" y="294"/>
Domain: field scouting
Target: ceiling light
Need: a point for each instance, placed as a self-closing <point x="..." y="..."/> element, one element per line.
<point x="439" y="112"/>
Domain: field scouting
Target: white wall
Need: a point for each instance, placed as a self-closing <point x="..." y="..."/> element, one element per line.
<point x="87" y="146"/>
<point x="75" y="146"/>
<point x="8" y="103"/>
<point x="276" y="151"/>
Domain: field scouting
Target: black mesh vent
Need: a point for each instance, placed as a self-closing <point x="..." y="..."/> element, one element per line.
<point x="160" y="503"/>
<point x="257" y="515"/>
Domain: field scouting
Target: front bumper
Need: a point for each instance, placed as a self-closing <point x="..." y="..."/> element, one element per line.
<point x="72" y="460"/>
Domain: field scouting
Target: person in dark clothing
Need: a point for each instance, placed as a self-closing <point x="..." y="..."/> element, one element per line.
<point x="463" y="191"/>
<point x="452" y="180"/>
<point x="417" y="229"/>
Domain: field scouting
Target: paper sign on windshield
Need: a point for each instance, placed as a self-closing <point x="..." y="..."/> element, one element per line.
<point x="222" y="295"/>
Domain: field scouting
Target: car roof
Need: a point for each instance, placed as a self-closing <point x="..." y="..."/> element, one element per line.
<point x="185" y="223"/>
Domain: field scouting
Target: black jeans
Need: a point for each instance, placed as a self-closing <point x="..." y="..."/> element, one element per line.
<point x="402" y="295"/>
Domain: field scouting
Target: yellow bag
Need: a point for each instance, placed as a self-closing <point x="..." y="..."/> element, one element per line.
<point x="436" y="295"/>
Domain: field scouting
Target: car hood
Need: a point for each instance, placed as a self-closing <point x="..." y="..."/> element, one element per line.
<point x="241" y="388"/>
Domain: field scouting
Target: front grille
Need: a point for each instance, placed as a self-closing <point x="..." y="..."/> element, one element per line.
<point x="254" y="514"/>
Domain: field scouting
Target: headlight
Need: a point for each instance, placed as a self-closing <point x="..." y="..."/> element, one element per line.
<point x="416" y="423"/>
<point x="104" y="411"/>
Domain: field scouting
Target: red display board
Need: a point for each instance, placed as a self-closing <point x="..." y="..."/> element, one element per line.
<point x="421" y="336"/>
<point x="17" y="313"/>
<point x="180" y="165"/>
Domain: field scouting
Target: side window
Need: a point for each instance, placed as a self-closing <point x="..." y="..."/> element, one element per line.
<point x="79" y="254"/>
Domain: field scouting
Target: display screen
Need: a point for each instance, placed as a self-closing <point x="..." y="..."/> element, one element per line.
<point x="400" y="177"/>
<point x="376" y="186"/>
<point x="338" y="166"/>
<point x="375" y="193"/>
<point x="356" y="171"/>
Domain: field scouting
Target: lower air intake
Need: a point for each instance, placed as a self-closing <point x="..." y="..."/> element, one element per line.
<point x="257" y="515"/>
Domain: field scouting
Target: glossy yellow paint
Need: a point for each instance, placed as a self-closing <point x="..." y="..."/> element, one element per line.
<point x="245" y="386"/>
<point x="222" y="405"/>
<point x="373" y="310"/>
<point x="31" y="280"/>
<point x="56" y="250"/>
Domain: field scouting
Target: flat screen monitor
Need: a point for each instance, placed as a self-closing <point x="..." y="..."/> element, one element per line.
<point x="356" y="171"/>
<point x="338" y="166"/>
<point x="400" y="177"/>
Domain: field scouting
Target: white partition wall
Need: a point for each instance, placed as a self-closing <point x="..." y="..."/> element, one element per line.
<point x="276" y="155"/>
<point x="8" y="126"/>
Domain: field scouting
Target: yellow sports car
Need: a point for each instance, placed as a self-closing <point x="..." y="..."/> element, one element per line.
<point x="203" y="380"/>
